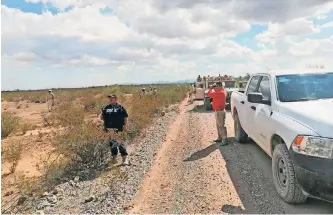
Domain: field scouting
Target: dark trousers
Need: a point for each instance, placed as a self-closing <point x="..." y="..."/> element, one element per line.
<point x="115" y="146"/>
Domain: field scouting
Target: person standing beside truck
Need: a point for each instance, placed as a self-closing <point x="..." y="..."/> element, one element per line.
<point x="218" y="95"/>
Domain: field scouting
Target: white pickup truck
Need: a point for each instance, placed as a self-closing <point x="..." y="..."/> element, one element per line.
<point x="289" y="114"/>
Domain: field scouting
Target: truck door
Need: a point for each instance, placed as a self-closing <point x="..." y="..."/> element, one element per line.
<point x="262" y="114"/>
<point x="245" y="113"/>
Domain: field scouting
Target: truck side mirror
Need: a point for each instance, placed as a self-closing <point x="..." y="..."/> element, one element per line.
<point x="257" y="98"/>
<point x="254" y="97"/>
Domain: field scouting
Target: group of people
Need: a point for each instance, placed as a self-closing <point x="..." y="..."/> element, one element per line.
<point x="218" y="78"/>
<point x="151" y="91"/>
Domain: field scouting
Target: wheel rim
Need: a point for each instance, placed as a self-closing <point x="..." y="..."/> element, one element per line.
<point x="281" y="172"/>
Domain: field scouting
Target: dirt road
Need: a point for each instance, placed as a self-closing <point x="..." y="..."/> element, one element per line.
<point x="193" y="175"/>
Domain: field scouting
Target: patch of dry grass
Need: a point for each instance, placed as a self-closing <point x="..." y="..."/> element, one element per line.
<point x="12" y="154"/>
<point x="9" y="124"/>
<point x="26" y="126"/>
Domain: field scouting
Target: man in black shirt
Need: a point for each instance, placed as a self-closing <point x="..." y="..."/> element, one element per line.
<point x="114" y="116"/>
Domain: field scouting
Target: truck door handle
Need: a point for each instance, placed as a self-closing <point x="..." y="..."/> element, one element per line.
<point x="242" y="102"/>
<point x="253" y="108"/>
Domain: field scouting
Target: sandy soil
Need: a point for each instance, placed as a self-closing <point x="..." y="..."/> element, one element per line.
<point x="189" y="174"/>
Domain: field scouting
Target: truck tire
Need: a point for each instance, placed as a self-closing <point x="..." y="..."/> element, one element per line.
<point x="207" y="104"/>
<point x="284" y="177"/>
<point x="240" y="134"/>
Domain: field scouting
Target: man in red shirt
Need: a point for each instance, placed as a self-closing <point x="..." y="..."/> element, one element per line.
<point x="219" y="99"/>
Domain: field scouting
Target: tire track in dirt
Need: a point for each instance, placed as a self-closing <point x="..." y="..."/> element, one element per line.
<point x="189" y="174"/>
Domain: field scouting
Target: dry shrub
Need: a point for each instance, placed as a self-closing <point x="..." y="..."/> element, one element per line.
<point x="47" y="118"/>
<point x="28" y="185"/>
<point x="78" y="148"/>
<point x="143" y="110"/>
<point x="68" y="114"/>
<point x="85" y="145"/>
<point x="89" y="103"/>
<point x="26" y="127"/>
<point x="12" y="154"/>
<point x="9" y="124"/>
<point x="141" y="117"/>
<point x="52" y="167"/>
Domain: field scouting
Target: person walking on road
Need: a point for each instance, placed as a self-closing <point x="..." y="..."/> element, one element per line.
<point x="114" y="116"/>
<point x="50" y="100"/>
<point x="219" y="100"/>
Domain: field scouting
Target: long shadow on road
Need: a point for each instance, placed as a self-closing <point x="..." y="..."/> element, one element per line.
<point x="249" y="168"/>
<point x="202" y="153"/>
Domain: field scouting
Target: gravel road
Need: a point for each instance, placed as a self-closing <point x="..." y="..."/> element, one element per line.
<point x="192" y="175"/>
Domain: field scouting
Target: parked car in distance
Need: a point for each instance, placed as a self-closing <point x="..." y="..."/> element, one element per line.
<point x="289" y="114"/>
<point x="199" y="91"/>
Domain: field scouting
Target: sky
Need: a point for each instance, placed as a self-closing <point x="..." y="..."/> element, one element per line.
<point x="76" y="43"/>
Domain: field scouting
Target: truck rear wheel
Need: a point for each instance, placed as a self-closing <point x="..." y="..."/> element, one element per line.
<point x="240" y="134"/>
<point x="284" y="177"/>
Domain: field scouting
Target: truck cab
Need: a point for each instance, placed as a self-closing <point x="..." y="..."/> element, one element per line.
<point x="289" y="114"/>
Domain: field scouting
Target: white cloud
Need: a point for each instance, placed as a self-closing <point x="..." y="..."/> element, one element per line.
<point x="158" y="39"/>
<point x="327" y="25"/>
<point x="292" y="28"/>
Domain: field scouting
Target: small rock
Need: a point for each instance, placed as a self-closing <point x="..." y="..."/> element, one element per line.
<point x="21" y="200"/>
<point x="89" y="199"/>
<point x="127" y="207"/>
<point x="52" y="199"/>
<point x="9" y="193"/>
<point x="43" y="205"/>
<point x="40" y="212"/>
<point x="57" y="191"/>
<point x="45" y="194"/>
<point x="163" y="113"/>
<point x="76" y="179"/>
<point x="72" y="183"/>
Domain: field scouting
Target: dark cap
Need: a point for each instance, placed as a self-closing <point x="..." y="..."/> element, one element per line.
<point x="112" y="96"/>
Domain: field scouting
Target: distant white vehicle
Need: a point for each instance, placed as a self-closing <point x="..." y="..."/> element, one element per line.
<point x="289" y="114"/>
<point x="199" y="92"/>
